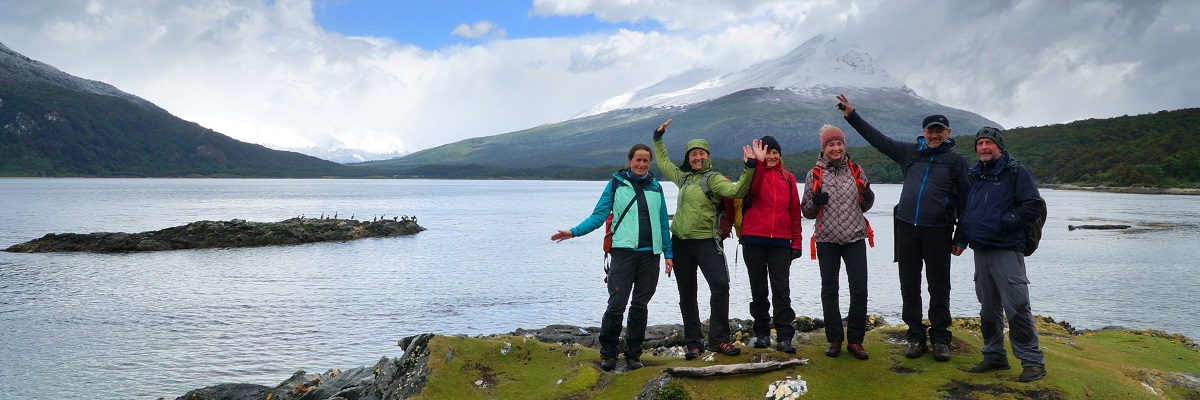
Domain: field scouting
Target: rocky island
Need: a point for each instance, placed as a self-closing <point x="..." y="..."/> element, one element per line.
<point x="217" y="234"/>
<point x="562" y="362"/>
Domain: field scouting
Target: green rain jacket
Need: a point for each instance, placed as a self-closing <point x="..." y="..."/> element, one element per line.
<point x="695" y="216"/>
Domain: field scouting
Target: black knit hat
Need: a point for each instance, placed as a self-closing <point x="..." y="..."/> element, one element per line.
<point x="771" y="143"/>
<point x="991" y="133"/>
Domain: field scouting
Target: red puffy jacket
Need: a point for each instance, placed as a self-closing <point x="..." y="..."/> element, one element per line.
<point x="774" y="206"/>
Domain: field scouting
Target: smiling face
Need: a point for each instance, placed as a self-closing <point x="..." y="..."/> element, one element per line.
<point x="936" y="135"/>
<point x="835" y="149"/>
<point x="987" y="149"/>
<point x="772" y="158"/>
<point x="696" y="158"/>
<point x="639" y="164"/>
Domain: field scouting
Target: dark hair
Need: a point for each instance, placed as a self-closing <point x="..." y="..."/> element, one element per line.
<point x="635" y="148"/>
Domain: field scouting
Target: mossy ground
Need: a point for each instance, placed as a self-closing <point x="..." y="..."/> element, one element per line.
<point x="1110" y="364"/>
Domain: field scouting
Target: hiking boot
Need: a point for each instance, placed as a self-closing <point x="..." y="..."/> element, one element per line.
<point x="692" y="352"/>
<point x="725" y="348"/>
<point x="633" y="363"/>
<point x="915" y="349"/>
<point x="1031" y="374"/>
<point x="786" y="347"/>
<point x="985" y="366"/>
<point x="857" y="350"/>
<point x="834" y="349"/>
<point x="762" y="342"/>
<point x="608" y="364"/>
<point x="941" y="352"/>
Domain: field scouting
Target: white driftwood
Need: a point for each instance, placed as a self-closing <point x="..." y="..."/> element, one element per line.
<point x="733" y="369"/>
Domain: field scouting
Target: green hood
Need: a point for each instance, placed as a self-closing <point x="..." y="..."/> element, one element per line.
<point x="696" y="144"/>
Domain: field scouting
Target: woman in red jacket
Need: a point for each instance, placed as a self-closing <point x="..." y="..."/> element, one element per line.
<point x="771" y="238"/>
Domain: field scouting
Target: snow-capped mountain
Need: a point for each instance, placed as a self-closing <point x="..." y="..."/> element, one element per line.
<point x="820" y="62"/>
<point x="788" y="98"/>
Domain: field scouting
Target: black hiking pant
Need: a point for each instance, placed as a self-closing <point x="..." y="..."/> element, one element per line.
<point x="829" y="258"/>
<point x="707" y="257"/>
<point x="770" y="264"/>
<point x="927" y="247"/>
<point x="631" y="273"/>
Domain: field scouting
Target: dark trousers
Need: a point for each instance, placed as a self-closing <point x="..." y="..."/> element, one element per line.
<point x="829" y="258"/>
<point x="630" y="273"/>
<point x="707" y="257"/>
<point x="769" y="264"/>
<point x="917" y="247"/>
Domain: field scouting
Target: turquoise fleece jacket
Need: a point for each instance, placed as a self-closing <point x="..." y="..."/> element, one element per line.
<point x="614" y="201"/>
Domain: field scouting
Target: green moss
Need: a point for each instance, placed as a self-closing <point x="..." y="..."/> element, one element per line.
<point x="1100" y="364"/>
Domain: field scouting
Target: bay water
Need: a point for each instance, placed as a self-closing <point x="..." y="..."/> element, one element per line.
<point x="150" y="325"/>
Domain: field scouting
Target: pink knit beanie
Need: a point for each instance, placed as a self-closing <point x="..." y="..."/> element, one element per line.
<point x="830" y="133"/>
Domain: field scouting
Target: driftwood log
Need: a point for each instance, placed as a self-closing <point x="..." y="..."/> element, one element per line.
<point x="733" y="369"/>
<point x="1074" y="227"/>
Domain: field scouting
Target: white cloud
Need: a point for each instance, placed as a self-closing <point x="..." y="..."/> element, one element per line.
<point x="479" y="30"/>
<point x="264" y="72"/>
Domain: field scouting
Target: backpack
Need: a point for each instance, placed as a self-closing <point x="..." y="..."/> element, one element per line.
<point x="1033" y="232"/>
<point x="818" y="173"/>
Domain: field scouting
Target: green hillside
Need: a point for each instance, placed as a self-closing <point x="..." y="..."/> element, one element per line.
<point x="48" y="130"/>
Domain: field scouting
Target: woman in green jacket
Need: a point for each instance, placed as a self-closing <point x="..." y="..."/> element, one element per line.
<point x="695" y="239"/>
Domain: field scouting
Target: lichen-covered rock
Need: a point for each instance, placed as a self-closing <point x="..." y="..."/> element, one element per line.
<point x="215" y="234"/>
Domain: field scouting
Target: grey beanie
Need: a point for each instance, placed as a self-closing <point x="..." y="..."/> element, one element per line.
<point x="991" y="133"/>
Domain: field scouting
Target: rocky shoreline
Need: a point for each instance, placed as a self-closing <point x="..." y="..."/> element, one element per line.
<point x="222" y="234"/>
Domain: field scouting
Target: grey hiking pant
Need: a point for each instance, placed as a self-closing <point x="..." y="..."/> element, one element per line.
<point x="1003" y="290"/>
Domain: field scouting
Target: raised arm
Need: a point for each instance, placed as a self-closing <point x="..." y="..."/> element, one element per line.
<point x="668" y="169"/>
<point x="898" y="151"/>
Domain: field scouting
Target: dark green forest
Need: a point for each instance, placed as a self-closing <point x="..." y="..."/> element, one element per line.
<point x="1161" y="149"/>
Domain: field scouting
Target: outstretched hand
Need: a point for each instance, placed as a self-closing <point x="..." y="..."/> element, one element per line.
<point x="760" y="149"/>
<point x="563" y="234"/>
<point x="844" y="105"/>
<point x="662" y="129"/>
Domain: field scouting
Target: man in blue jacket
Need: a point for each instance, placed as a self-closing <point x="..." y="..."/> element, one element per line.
<point x="931" y="202"/>
<point x="1003" y="201"/>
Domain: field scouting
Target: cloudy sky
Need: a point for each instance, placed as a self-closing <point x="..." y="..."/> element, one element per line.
<point x="405" y="75"/>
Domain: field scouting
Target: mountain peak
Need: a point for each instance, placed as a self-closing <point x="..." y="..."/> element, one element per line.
<point x="820" y="62"/>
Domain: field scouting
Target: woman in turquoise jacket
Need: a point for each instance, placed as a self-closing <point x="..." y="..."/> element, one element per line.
<point x="640" y="233"/>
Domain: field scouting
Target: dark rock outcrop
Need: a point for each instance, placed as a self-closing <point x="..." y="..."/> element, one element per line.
<point x="390" y="379"/>
<point x="214" y="234"/>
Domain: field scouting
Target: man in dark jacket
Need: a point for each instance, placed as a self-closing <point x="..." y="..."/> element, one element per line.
<point x="1003" y="201"/>
<point x="931" y="201"/>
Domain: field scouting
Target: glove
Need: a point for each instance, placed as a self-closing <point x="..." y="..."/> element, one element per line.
<point x="658" y="133"/>
<point x="868" y="195"/>
<point x="796" y="253"/>
<point x="820" y="198"/>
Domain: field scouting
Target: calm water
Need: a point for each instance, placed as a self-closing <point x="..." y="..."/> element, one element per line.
<point x="150" y="325"/>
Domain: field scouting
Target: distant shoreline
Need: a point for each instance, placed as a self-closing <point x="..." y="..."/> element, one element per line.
<point x="1132" y="190"/>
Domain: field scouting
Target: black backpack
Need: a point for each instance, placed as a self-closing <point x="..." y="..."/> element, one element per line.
<point x="1033" y="232"/>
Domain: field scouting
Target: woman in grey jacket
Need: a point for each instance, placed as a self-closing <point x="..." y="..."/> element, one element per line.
<point x="836" y="194"/>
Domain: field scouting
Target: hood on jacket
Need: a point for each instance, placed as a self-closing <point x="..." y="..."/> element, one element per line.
<point x="696" y="144"/>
